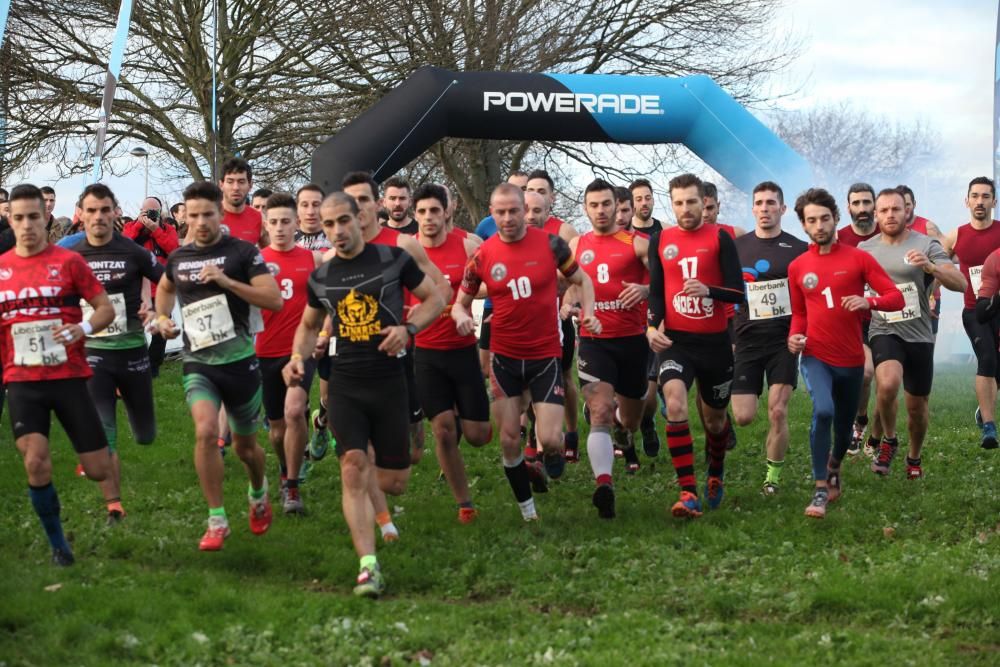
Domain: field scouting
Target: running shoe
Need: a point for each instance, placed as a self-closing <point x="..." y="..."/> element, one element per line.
<point x="115" y="517"/>
<point x="80" y="472"/>
<point x="650" y="442"/>
<point x="283" y="494"/>
<point x="539" y="480"/>
<point x="604" y="501"/>
<point x="886" y="452"/>
<point x="304" y="469"/>
<point x="370" y="583"/>
<point x="914" y="472"/>
<point x="769" y="489"/>
<point x="292" y="503"/>
<point x="572" y="455"/>
<point x="555" y="464"/>
<point x="817" y="508"/>
<point x="632" y="463"/>
<point x="687" y="507"/>
<point x="260" y="515"/>
<point x="714" y="490"/>
<point x="319" y="443"/>
<point x="467" y="515"/>
<point x="62" y="557"/>
<point x="218" y="531"/>
<point x="857" y="438"/>
<point x="832" y="485"/>
<point x="989" y="440"/>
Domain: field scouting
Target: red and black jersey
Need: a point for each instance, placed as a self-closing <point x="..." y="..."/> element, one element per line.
<point x="972" y="247"/>
<point x="38" y="294"/>
<point x="450" y="257"/>
<point x="291" y="270"/>
<point x="610" y="261"/>
<point x="706" y="254"/>
<point x="848" y="236"/>
<point x="818" y="282"/>
<point x="520" y="278"/>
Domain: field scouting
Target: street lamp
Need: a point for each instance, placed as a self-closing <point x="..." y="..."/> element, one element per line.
<point x="139" y="151"/>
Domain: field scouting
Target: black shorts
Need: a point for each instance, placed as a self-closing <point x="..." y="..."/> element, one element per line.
<point x="363" y="410"/>
<point x="917" y="360"/>
<point x="568" y="344"/>
<point x="273" y="387"/>
<point x="707" y="358"/>
<point x="543" y="378"/>
<point x="31" y="405"/>
<point x="235" y="385"/>
<point x="984" y="339"/>
<point x="753" y="363"/>
<point x="621" y="362"/>
<point x="450" y="378"/>
<point x="484" y="329"/>
<point x="124" y="373"/>
<point x="866" y="325"/>
<point x="416" y="413"/>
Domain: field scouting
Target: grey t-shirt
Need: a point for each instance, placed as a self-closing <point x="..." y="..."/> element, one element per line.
<point x="913" y="323"/>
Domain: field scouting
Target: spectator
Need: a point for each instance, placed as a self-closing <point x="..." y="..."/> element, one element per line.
<point x="179" y="214"/>
<point x="55" y="228"/>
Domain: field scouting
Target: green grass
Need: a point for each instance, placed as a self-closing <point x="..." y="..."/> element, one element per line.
<point x="753" y="583"/>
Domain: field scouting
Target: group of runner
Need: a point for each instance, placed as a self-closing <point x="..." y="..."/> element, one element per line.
<point x="313" y="284"/>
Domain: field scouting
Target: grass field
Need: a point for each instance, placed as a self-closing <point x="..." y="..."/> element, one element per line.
<point x="899" y="573"/>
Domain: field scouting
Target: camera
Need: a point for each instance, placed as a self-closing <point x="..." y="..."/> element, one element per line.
<point x="152" y="214"/>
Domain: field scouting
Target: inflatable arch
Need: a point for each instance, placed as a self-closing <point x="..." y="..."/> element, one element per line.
<point x="435" y="103"/>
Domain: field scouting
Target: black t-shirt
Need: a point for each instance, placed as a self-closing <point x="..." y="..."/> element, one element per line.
<point x="240" y="261"/>
<point x="764" y="316"/>
<point x="364" y="295"/>
<point x="120" y="265"/>
<point x="410" y="228"/>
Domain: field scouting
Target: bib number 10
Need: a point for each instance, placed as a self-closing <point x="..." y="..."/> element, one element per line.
<point x="520" y="288"/>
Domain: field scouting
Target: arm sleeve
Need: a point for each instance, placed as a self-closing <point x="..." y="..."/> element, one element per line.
<point x="798" y="303"/>
<point x="889" y="297"/>
<point x="731" y="291"/>
<point x="564" y="256"/>
<point x="471" y="277"/>
<point x="165" y="236"/>
<point x="657" y="305"/>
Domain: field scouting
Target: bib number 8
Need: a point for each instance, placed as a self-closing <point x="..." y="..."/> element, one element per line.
<point x="602" y="273"/>
<point x="520" y="288"/>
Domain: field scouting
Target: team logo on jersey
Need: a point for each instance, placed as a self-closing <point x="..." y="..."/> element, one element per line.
<point x="6" y="274"/>
<point x="693" y="307"/>
<point x="810" y="281"/>
<point x="224" y="229"/>
<point x="671" y="251"/>
<point x="587" y="257"/>
<point x="358" y="314"/>
<point x="273" y="268"/>
<point x="53" y="272"/>
<point x="498" y="272"/>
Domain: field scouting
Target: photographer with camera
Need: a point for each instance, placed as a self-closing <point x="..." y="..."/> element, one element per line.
<point x="151" y="232"/>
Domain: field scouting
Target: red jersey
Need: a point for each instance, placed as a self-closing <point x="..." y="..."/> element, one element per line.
<point x="972" y="247"/>
<point x="848" y="236"/>
<point x="697" y="254"/>
<point x="291" y="270"/>
<point x="521" y="280"/>
<point x="386" y="236"/>
<point x="990" y="286"/>
<point x="611" y="261"/>
<point x="245" y="225"/>
<point x="730" y="307"/>
<point x="552" y="225"/>
<point x="451" y="258"/>
<point x="919" y="225"/>
<point x="817" y="283"/>
<point x="38" y="294"/>
<point x="459" y="232"/>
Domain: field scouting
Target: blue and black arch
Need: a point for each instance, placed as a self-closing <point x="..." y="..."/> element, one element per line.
<point x="435" y="103"/>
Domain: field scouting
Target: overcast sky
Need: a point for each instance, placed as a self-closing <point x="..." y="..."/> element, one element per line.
<point x="904" y="58"/>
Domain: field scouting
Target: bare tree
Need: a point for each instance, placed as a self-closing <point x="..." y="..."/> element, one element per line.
<point x="291" y="72"/>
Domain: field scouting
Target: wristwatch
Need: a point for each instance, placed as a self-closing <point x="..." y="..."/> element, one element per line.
<point x="411" y="329"/>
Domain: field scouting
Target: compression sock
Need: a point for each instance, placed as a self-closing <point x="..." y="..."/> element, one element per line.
<point x="601" y="452"/>
<point x="517" y="476"/>
<point x="682" y="454"/>
<point x="715" y="447"/>
<point x="217" y="512"/>
<point x="774" y="471"/>
<point x="46" y="504"/>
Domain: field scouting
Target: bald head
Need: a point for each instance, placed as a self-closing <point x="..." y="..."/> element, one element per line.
<point x="536" y="209"/>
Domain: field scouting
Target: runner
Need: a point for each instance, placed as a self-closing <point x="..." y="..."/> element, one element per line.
<point x="286" y="407"/>
<point x="827" y="286"/>
<point x="216" y="279"/>
<point x="44" y="366"/>
<point x="446" y="363"/>
<point x="642" y="203"/>
<point x="624" y="210"/>
<point x="902" y="342"/>
<point x="612" y="363"/>
<point x="518" y="266"/>
<point x="971" y="244"/>
<point x="396" y="201"/>
<point x="924" y="226"/>
<point x="360" y="290"/>
<point x="117" y="355"/>
<point x="239" y="220"/>
<point x="694" y="266"/>
<point x="309" y="234"/>
<point x="761" y="327"/>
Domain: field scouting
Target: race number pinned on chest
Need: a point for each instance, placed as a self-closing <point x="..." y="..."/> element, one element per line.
<point x="976" y="278"/>
<point x="34" y="344"/>
<point x="911" y="306"/>
<point x="768" y="299"/>
<point x="118" y="326"/>
<point x="208" y="322"/>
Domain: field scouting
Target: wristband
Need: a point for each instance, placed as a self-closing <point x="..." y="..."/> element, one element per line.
<point x="324" y="334"/>
<point x="162" y="317"/>
<point x="296" y="356"/>
<point x="87" y="328"/>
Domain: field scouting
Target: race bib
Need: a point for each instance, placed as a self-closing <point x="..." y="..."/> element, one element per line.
<point x="911" y="307"/>
<point x="208" y="322"/>
<point x="976" y="278"/>
<point x="34" y="344"/>
<point x="256" y="320"/>
<point x="118" y="326"/>
<point x="768" y="299"/>
<point x="333" y="346"/>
